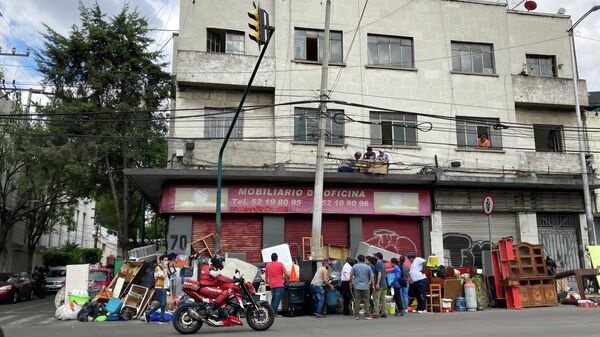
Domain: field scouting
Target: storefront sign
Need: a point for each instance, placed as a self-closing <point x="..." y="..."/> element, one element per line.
<point x="259" y="199"/>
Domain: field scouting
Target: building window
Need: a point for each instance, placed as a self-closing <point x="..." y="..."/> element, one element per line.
<point x="224" y="41"/>
<point x="472" y="57"/>
<point x="306" y="125"/>
<point x="308" y="45"/>
<point x="217" y="122"/>
<point x="390" y="51"/>
<point x="548" y="138"/>
<point x="389" y="128"/>
<point x="541" y="65"/>
<point x="478" y="133"/>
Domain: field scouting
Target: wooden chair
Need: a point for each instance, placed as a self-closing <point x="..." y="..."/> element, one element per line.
<point x="434" y="299"/>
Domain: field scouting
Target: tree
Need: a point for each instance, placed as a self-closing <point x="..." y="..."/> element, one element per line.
<point x="109" y="90"/>
<point x="13" y="207"/>
<point x="51" y="185"/>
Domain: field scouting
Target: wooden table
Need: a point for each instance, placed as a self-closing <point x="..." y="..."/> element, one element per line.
<point x="579" y="275"/>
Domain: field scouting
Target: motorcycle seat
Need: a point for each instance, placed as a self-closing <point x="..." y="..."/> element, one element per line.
<point x="191" y="284"/>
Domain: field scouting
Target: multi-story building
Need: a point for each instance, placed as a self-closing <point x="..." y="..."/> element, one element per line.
<point x="85" y="233"/>
<point x="423" y="81"/>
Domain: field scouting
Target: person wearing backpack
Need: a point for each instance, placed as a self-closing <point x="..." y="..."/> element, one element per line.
<point x="395" y="276"/>
<point x="161" y="285"/>
<point x="404" y="277"/>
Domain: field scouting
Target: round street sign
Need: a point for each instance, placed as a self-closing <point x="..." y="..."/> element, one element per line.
<point x="488" y="204"/>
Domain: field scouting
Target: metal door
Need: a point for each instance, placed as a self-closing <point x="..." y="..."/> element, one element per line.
<point x="558" y="233"/>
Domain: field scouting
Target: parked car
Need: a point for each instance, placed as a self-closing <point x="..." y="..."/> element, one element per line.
<point x="56" y="278"/>
<point x="15" y="287"/>
<point x="99" y="277"/>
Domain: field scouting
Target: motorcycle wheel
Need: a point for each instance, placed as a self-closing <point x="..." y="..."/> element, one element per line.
<point x="183" y="323"/>
<point x="260" y="318"/>
<point x="41" y="293"/>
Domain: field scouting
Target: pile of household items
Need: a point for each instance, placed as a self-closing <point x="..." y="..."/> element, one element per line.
<point x="126" y="297"/>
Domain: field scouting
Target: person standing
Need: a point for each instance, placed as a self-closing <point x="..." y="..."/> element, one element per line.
<point x="276" y="276"/>
<point x="380" y="287"/>
<point x="320" y="279"/>
<point x="369" y="155"/>
<point x="404" y="277"/>
<point x="161" y="285"/>
<point x="361" y="278"/>
<point x="346" y="290"/>
<point x="397" y="272"/>
<point x="419" y="282"/>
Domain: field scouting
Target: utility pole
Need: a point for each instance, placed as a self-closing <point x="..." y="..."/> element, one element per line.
<point x="589" y="216"/>
<point x="321" y="137"/>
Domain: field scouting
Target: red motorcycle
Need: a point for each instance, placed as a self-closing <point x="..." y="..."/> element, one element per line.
<point x="191" y="314"/>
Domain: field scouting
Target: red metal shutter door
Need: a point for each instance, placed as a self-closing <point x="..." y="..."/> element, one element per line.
<point x="240" y="233"/>
<point x="296" y="227"/>
<point x="398" y="234"/>
<point x="335" y="231"/>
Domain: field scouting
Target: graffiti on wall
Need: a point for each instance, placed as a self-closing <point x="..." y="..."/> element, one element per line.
<point x="463" y="251"/>
<point x="392" y="241"/>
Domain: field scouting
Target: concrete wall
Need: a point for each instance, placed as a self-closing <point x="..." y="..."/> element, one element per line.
<point x="430" y="89"/>
<point x="257" y="149"/>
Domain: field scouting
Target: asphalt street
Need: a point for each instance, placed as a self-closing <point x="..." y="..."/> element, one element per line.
<point x="35" y="319"/>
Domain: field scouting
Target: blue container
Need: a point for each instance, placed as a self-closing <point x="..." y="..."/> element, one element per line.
<point x="461" y="304"/>
<point x="331" y="298"/>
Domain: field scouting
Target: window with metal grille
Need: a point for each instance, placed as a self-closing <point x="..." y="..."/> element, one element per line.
<point x="390" y="51"/>
<point x="470" y="57"/>
<point x="306" y="126"/>
<point x="217" y="122"/>
<point x="548" y="138"/>
<point x="391" y="128"/>
<point x="541" y="65"/>
<point x="471" y="130"/>
<point x="308" y="45"/>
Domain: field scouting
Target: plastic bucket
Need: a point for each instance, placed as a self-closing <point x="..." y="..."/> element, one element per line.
<point x="331" y="298"/>
<point x="461" y="304"/>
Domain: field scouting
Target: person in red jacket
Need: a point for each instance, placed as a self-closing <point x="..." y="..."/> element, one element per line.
<point x="214" y="285"/>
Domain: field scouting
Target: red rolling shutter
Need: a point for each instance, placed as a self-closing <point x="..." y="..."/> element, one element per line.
<point x="397" y="234"/>
<point x="240" y="233"/>
<point x="335" y="231"/>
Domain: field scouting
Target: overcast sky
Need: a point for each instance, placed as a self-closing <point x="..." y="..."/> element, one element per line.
<point x="21" y="24"/>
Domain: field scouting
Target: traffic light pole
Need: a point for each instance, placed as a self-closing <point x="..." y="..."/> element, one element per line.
<point x="226" y="140"/>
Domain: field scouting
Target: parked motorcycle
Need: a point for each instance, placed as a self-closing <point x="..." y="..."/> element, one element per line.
<point x="192" y="313"/>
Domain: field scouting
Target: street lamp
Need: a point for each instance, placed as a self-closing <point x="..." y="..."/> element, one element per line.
<point x="584" y="172"/>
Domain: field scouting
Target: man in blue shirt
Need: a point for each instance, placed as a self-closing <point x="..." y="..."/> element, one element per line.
<point x="380" y="287"/>
<point x="361" y="277"/>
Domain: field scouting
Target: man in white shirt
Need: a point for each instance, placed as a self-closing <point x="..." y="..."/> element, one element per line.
<point x="346" y="291"/>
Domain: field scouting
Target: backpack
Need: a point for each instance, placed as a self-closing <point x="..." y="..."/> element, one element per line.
<point x="113" y="306"/>
<point x="392" y="277"/>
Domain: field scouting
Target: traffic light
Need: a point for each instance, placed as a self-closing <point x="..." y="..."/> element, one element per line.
<point x="259" y="24"/>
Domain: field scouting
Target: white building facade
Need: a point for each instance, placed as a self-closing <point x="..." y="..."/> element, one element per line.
<point x="86" y="234"/>
<point x="421" y="80"/>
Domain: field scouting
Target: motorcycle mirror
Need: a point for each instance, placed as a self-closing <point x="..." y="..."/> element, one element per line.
<point x="237" y="271"/>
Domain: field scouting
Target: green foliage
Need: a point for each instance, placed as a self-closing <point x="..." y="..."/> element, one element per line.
<point x="55" y="259"/>
<point x="70" y="253"/>
<point x="69" y="247"/>
<point x="91" y="255"/>
<point x="110" y="88"/>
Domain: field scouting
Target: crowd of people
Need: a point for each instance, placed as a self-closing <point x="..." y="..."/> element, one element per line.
<point x="370" y="282"/>
<point x="366" y="282"/>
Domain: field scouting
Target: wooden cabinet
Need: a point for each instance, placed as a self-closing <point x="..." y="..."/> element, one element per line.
<point x="538" y="292"/>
